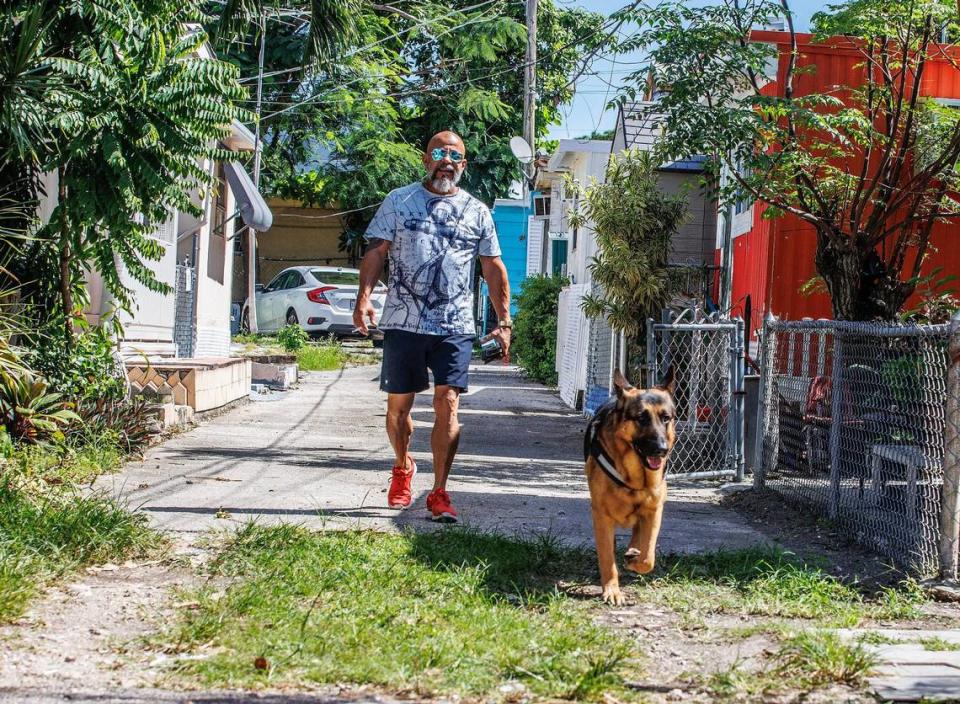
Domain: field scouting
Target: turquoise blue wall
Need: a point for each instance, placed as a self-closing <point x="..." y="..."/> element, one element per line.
<point x="511" y="223"/>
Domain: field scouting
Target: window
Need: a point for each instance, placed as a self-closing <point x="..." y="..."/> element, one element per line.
<point x="742" y="206"/>
<point x="217" y="245"/>
<point x="541" y="206"/>
<point x="294" y="280"/>
<point x="336" y="278"/>
<point x="277" y="282"/>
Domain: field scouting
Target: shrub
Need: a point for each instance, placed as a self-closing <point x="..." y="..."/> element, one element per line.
<point x="292" y="338"/>
<point x="86" y="370"/>
<point x="30" y="412"/>
<point x="130" y="424"/>
<point x="534" y="342"/>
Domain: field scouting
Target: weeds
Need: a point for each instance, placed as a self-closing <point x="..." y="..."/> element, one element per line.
<point x="43" y="537"/>
<point x="326" y="354"/>
<point x="822" y="657"/>
<point x="322" y="357"/>
<point x="48" y="528"/>
<point x="806" y="661"/>
<point x="772" y="582"/>
<point x="938" y="644"/>
<point x="874" y="638"/>
<point x="452" y="612"/>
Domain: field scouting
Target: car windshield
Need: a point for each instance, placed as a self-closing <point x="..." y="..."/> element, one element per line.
<point x="337" y="278"/>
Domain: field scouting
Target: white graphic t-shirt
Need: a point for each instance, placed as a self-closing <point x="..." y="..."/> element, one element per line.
<point x="436" y="240"/>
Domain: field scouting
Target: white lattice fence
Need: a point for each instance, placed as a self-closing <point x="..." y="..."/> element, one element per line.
<point x="571" y="334"/>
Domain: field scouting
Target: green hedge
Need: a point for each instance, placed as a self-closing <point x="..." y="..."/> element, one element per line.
<point x="535" y="327"/>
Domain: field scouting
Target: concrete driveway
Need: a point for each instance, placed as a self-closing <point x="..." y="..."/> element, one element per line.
<point x="319" y="455"/>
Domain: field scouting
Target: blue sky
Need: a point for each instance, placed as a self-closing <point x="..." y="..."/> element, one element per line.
<point x="586" y="113"/>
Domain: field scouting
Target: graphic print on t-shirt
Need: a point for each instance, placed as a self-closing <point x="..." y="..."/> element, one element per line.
<point x="436" y="240"/>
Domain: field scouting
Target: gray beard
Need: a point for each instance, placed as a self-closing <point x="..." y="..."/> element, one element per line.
<point x="443" y="184"/>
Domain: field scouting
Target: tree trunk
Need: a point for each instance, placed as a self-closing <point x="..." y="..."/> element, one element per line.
<point x="859" y="284"/>
<point x="66" y="294"/>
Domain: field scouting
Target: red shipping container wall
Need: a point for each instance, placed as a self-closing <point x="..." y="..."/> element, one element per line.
<point x="774" y="259"/>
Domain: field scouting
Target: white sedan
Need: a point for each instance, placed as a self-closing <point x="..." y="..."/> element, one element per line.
<point x="318" y="298"/>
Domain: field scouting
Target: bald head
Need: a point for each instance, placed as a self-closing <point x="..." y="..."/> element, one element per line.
<point x="446" y="139"/>
<point x="443" y="173"/>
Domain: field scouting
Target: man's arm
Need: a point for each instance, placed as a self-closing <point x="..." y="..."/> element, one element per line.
<point x="495" y="274"/>
<point x="370" y="268"/>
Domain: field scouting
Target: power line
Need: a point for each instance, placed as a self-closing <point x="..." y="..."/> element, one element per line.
<point x="396" y="35"/>
<point x="606" y="95"/>
<point x="448" y="86"/>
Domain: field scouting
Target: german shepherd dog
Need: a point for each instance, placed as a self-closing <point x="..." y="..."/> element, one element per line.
<point x="626" y="448"/>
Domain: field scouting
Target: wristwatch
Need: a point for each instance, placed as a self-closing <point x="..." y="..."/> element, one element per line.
<point x="506" y="323"/>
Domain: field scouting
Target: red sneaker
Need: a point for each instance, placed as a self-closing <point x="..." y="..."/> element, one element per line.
<point x="399" y="494"/>
<point x="441" y="510"/>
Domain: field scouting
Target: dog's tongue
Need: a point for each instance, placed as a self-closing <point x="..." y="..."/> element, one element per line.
<point x="654" y="462"/>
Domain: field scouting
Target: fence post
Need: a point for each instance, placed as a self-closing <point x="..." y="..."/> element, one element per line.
<point x="950" y="496"/>
<point x="767" y="364"/>
<point x="736" y="380"/>
<point x="836" y="421"/>
<point x="651" y="354"/>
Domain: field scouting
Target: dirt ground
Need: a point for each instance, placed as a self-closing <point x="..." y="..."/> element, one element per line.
<point x="317" y="456"/>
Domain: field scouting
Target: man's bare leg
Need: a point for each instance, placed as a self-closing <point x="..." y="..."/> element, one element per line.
<point x="400" y="425"/>
<point x="446" y="433"/>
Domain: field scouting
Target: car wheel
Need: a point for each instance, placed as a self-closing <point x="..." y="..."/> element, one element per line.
<point x="292" y="318"/>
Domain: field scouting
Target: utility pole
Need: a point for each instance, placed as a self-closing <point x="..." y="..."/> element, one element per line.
<point x="530" y="90"/>
<point x="251" y="233"/>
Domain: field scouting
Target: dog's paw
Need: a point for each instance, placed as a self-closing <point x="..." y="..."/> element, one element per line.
<point x="612" y="595"/>
<point x="635" y="563"/>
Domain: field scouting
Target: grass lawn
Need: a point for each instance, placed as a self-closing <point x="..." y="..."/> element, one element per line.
<point x="49" y="528"/>
<point x="772" y="582"/>
<point x="459" y="612"/>
<point x="451" y="612"/>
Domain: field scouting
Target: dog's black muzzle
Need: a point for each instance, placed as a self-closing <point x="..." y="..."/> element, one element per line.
<point x="652" y="453"/>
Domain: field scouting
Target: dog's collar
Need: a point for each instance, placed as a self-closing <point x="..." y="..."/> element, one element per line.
<point x="603" y="459"/>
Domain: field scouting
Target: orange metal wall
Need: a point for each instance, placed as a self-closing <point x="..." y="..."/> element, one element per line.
<point x="774" y="259"/>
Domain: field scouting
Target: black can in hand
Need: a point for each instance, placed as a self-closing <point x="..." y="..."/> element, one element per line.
<point x="491" y="350"/>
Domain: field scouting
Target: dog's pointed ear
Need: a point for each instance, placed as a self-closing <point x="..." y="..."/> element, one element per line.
<point x="620" y="383"/>
<point x="667" y="382"/>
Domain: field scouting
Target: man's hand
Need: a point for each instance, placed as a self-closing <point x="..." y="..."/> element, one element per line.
<point x="362" y="311"/>
<point x="503" y="336"/>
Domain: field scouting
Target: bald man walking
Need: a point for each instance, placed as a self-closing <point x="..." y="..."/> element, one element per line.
<point x="432" y="231"/>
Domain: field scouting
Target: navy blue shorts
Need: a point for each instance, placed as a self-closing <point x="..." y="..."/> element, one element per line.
<point x="408" y="355"/>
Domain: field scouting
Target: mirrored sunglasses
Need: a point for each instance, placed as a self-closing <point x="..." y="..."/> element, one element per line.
<point x="437" y="154"/>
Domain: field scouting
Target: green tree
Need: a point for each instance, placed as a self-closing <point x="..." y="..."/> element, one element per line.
<point x="114" y="97"/>
<point x="534" y="341"/>
<point x="348" y="132"/>
<point x="634" y="222"/>
<point x="871" y="167"/>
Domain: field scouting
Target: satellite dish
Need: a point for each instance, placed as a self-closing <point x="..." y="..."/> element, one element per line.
<point x="521" y="150"/>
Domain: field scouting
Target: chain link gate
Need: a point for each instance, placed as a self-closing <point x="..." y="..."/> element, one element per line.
<point x="707" y="360"/>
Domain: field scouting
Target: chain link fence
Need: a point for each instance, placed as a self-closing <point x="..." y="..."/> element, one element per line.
<point x="601" y="357"/>
<point x="184" y="327"/>
<point x="950" y="496"/>
<point x="852" y="424"/>
<point x="707" y="361"/>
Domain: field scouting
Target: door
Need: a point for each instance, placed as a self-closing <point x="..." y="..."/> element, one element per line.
<point x="558" y="257"/>
<point x="292" y="296"/>
<point x="267" y="303"/>
<point x="707" y="361"/>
